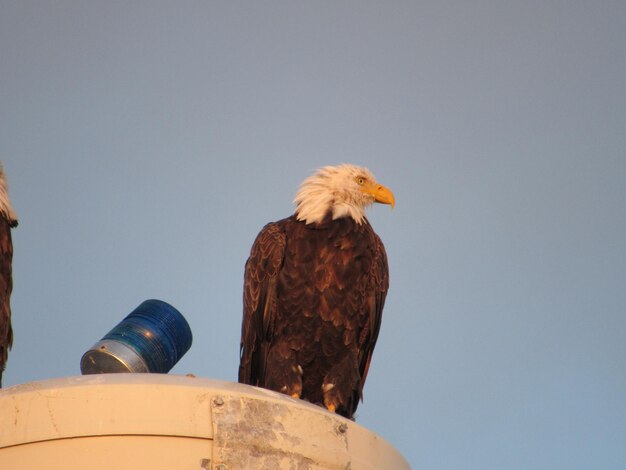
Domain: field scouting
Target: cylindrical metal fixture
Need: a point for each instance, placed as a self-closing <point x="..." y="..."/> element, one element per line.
<point x="152" y="338"/>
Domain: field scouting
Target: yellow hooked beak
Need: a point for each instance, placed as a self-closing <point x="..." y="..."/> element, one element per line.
<point x="381" y="194"/>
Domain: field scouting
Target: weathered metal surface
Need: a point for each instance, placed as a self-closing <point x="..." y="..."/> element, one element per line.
<point x="253" y="433"/>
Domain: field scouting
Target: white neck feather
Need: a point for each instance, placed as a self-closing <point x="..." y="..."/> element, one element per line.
<point x="332" y="189"/>
<point x="6" y="209"/>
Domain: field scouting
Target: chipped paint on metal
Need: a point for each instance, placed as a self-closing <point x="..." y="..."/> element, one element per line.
<point x="252" y="433"/>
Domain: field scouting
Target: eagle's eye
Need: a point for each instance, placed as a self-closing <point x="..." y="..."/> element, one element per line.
<point x="360" y="180"/>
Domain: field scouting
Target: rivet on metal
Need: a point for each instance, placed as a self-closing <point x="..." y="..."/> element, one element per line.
<point x="342" y="428"/>
<point x="218" y="401"/>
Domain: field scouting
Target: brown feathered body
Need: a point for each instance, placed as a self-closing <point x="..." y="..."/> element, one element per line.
<point x="8" y="220"/>
<point x="6" y="286"/>
<point x="313" y="301"/>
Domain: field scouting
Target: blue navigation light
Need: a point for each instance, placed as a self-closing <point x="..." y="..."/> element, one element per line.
<point x="152" y="338"/>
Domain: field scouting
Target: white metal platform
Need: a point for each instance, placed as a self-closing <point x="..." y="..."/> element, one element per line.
<point x="154" y="421"/>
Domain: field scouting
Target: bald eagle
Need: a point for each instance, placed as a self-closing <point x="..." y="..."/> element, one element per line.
<point x="314" y="290"/>
<point x="8" y="220"/>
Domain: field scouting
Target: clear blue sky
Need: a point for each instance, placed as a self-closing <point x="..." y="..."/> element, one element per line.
<point x="146" y="143"/>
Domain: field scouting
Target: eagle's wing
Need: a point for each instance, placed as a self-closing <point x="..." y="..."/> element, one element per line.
<point x="376" y="301"/>
<point x="259" y="302"/>
<point x="6" y="286"/>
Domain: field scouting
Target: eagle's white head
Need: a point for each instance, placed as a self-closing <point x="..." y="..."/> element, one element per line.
<point x="344" y="190"/>
<point x="6" y="209"/>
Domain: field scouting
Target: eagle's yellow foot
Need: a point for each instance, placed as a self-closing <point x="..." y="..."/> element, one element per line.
<point x="331" y="408"/>
<point x="295" y="395"/>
